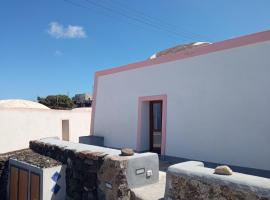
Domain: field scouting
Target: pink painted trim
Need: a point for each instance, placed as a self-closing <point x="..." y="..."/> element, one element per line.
<point x="196" y="51"/>
<point x="94" y="106"/>
<point x="163" y="98"/>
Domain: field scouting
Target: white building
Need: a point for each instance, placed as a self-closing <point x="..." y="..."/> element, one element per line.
<point x="209" y="103"/>
<point x="22" y="121"/>
<point x="82" y="100"/>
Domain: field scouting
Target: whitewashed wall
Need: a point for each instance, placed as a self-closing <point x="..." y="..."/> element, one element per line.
<point x="218" y="106"/>
<point x="19" y="126"/>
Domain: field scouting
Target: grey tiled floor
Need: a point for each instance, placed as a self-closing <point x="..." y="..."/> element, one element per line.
<point x="163" y="165"/>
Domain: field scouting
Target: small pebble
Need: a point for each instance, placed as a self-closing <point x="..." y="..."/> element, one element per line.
<point x="127" y="152"/>
<point x="223" y="170"/>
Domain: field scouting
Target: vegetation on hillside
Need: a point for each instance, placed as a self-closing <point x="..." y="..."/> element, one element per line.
<point x="61" y="102"/>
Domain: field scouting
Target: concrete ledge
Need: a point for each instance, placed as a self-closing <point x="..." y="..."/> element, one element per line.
<point x="79" y="146"/>
<point x="244" y="170"/>
<point x="191" y="180"/>
<point x="185" y="165"/>
<point x="138" y="167"/>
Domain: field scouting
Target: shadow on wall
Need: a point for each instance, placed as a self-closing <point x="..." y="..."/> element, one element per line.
<point x="92" y="140"/>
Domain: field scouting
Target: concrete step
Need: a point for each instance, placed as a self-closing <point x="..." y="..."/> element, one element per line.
<point x="151" y="192"/>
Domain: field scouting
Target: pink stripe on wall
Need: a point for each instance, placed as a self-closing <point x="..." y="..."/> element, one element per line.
<point x="94" y="101"/>
<point x="162" y="98"/>
<point x="195" y="51"/>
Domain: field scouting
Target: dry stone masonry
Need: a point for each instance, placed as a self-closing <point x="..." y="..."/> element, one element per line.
<point x="113" y="179"/>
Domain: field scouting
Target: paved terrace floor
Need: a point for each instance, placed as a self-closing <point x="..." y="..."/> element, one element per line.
<point x="154" y="191"/>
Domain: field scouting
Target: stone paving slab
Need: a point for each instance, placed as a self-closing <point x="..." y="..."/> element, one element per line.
<point x="151" y="192"/>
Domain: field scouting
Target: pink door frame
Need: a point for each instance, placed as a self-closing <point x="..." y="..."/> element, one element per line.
<point x="143" y="99"/>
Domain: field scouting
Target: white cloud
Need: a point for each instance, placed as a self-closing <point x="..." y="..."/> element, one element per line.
<point x="59" y="31"/>
<point x="58" y="53"/>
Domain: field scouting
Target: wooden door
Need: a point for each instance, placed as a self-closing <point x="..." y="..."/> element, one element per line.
<point x="13" y="183"/>
<point x="18" y="185"/>
<point x="155" y="126"/>
<point x="23" y="184"/>
<point x="65" y="130"/>
<point x="35" y="187"/>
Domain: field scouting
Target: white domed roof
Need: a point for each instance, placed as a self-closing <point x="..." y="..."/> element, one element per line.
<point x="82" y="109"/>
<point x="178" y="48"/>
<point x="20" y="103"/>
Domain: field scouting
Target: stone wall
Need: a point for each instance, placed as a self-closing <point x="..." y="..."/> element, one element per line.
<point x="89" y="175"/>
<point x="191" y="180"/>
<point x="113" y="173"/>
<point x="92" y="172"/>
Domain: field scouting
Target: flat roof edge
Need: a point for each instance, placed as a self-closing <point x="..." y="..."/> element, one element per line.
<point x="196" y="51"/>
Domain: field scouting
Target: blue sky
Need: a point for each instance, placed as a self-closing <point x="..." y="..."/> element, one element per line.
<point x="54" y="46"/>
